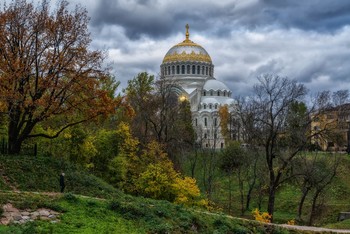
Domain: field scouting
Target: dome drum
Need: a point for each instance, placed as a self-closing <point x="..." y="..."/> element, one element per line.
<point x="188" y="68"/>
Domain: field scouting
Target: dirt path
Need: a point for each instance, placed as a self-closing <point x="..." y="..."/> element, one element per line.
<point x="307" y="229"/>
<point x="313" y="229"/>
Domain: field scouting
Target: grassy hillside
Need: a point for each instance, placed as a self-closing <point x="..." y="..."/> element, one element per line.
<point x="28" y="173"/>
<point x="106" y="210"/>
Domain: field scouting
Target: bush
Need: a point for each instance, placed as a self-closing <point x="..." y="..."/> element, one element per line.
<point x="70" y="197"/>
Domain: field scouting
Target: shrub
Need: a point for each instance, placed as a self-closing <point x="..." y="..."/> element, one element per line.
<point x="261" y="216"/>
<point x="291" y="222"/>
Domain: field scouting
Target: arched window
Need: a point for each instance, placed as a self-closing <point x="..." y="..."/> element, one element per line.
<point x="205" y="136"/>
<point x="218" y="93"/>
<point x="205" y="122"/>
<point x="215" y="122"/>
<point x="183" y="69"/>
<point x="196" y="121"/>
<point x="210" y="106"/>
<point x="204" y="93"/>
<point x="188" y="69"/>
<point x="173" y="70"/>
<point x="177" y="69"/>
<point x="205" y="106"/>
<point x="224" y="93"/>
<point x="169" y="70"/>
<point x="198" y="70"/>
<point x="216" y="106"/>
<point x="206" y="70"/>
<point x="210" y="72"/>
<point x="193" y="69"/>
<point x="211" y="93"/>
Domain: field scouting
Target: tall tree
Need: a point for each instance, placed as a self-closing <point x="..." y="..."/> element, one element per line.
<point x="160" y="115"/>
<point x="267" y="117"/>
<point x="47" y="69"/>
<point x="140" y="93"/>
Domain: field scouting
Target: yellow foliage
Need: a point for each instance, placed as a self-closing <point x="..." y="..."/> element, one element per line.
<point x="67" y="135"/>
<point x="186" y="190"/>
<point x="88" y="151"/>
<point x="261" y="216"/>
<point x="156" y="181"/>
<point x="188" y="193"/>
<point x="224" y="120"/>
<point x="291" y="222"/>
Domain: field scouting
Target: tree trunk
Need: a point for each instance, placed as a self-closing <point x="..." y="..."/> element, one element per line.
<point x="249" y="196"/>
<point x="271" y="202"/>
<point x="241" y="187"/>
<point x="313" y="207"/>
<point x="14" y="145"/>
<point x="229" y="193"/>
<point x="250" y="189"/>
<point x="301" y="203"/>
<point x="194" y="163"/>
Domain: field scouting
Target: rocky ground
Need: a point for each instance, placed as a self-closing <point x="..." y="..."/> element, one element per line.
<point x="13" y="215"/>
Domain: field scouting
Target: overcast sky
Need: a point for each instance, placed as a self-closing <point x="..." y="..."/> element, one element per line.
<point x="305" y="40"/>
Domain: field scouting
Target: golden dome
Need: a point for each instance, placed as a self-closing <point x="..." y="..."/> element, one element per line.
<point x="187" y="51"/>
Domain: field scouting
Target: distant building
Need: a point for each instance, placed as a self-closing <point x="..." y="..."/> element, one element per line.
<point x="190" y="67"/>
<point x="331" y="129"/>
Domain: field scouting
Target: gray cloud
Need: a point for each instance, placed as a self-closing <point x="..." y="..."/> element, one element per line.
<point x="160" y="19"/>
<point x="304" y="40"/>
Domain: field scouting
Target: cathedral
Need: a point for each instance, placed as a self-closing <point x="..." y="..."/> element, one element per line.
<point x="190" y="67"/>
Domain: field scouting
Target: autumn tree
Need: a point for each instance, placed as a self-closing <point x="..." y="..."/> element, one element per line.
<point x="47" y="70"/>
<point x="147" y="170"/>
<point x="159" y="113"/>
<point x="230" y="124"/>
<point x="266" y="116"/>
<point x="224" y="121"/>
<point x="139" y="93"/>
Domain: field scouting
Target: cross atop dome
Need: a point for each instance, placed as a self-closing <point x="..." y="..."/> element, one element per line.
<point x="187" y="33"/>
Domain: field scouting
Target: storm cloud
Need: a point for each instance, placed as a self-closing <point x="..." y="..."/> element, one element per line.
<point x="303" y="40"/>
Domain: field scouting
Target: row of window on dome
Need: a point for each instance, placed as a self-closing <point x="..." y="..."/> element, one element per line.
<point x="218" y="93"/>
<point x="210" y="106"/>
<point x="196" y="70"/>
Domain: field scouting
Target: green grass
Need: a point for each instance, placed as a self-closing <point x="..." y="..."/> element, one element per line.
<point x="93" y="206"/>
<point x="30" y="173"/>
<point x="79" y="215"/>
<point x="125" y="214"/>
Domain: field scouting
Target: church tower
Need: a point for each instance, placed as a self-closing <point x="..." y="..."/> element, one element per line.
<point x="190" y="67"/>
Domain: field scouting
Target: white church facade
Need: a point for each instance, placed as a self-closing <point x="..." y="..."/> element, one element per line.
<point x="190" y="66"/>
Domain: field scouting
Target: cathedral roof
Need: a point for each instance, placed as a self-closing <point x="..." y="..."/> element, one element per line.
<point x="215" y="85"/>
<point x="187" y="51"/>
